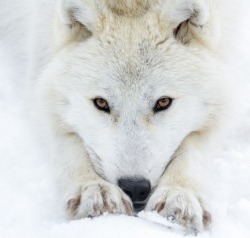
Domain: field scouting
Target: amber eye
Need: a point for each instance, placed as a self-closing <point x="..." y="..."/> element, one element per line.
<point x="101" y="104"/>
<point x="163" y="104"/>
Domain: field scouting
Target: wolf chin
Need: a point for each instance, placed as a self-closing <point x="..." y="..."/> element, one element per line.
<point x="129" y="95"/>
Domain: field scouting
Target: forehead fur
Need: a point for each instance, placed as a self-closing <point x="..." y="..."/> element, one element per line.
<point x="130" y="8"/>
<point x="122" y="14"/>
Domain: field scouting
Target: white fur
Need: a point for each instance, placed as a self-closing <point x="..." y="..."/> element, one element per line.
<point x="131" y="61"/>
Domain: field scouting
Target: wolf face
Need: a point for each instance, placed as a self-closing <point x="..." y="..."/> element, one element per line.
<point x="132" y="92"/>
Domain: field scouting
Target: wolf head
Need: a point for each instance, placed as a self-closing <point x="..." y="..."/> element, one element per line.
<point x="134" y="80"/>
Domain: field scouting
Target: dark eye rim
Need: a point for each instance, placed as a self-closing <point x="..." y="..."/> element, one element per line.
<point x="158" y="108"/>
<point x="105" y="109"/>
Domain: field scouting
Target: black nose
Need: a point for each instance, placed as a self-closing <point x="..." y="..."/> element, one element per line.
<point x="137" y="189"/>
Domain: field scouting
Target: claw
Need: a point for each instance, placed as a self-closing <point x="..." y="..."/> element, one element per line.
<point x="73" y="205"/>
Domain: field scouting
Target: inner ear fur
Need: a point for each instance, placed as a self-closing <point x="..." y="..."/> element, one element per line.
<point x="185" y="32"/>
<point x="190" y="18"/>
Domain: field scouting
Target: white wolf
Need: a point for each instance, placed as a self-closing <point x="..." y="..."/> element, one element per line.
<point x="129" y="93"/>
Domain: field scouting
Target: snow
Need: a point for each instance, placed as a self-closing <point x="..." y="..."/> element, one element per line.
<point x="27" y="197"/>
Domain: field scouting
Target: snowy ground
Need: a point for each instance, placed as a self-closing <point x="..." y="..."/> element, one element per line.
<point x="27" y="203"/>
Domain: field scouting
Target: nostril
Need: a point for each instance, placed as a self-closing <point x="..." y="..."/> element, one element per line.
<point x="143" y="192"/>
<point x="124" y="185"/>
<point x="128" y="193"/>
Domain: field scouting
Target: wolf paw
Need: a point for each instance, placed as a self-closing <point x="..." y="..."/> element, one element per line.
<point x="98" y="198"/>
<point x="180" y="205"/>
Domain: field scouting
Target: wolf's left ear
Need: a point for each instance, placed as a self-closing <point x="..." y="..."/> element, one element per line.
<point x="190" y="18"/>
<point x="76" y="20"/>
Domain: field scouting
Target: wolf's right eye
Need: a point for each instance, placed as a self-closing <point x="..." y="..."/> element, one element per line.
<point x="101" y="104"/>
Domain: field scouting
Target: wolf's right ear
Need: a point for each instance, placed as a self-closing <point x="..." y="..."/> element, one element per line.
<point x="76" y="20"/>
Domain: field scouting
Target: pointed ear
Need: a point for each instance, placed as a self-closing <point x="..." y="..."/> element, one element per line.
<point x="190" y="18"/>
<point x="76" y="20"/>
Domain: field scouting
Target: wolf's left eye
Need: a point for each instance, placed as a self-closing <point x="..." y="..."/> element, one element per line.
<point x="101" y="104"/>
<point x="163" y="104"/>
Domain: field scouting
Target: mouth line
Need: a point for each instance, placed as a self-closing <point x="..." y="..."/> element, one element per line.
<point x="140" y="206"/>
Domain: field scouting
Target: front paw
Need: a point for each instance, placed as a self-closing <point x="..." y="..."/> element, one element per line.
<point x="97" y="198"/>
<point x="182" y="205"/>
